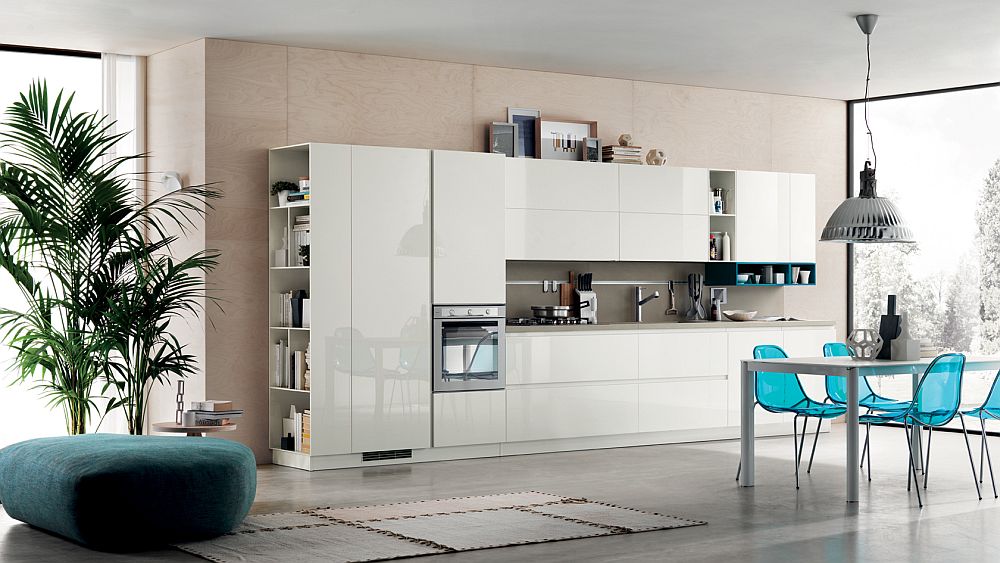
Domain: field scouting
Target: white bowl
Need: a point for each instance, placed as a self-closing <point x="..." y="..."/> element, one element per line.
<point x="742" y="278"/>
<point x="740" y="315"/>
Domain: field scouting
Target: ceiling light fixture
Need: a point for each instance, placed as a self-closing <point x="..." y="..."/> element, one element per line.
<point x="867" y="218"/>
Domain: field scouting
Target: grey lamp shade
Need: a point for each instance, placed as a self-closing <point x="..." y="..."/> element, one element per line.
<point x="866" y="220"/>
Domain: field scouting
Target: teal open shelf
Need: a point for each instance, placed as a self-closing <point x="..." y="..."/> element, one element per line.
<point x="728" y="273"/>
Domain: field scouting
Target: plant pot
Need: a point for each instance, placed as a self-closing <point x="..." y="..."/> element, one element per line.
<point x="283" y="198"/>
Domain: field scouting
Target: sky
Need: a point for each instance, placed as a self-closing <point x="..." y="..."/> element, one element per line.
<point x="23" y="411"/>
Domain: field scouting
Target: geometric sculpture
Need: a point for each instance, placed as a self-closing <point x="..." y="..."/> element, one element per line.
<point x="865" y="344"/>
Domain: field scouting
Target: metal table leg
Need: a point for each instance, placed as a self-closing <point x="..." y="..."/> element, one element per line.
<point x="746" y="425"/>
<point x="852" y="436"/>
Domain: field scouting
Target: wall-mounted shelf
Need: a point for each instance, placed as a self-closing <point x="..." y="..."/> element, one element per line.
<point x="727" y="273"/>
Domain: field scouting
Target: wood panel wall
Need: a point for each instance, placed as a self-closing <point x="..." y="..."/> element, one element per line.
<point x="256" y="96"/>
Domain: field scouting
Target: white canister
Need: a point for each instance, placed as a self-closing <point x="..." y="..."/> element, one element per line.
<point x="779" y="278"/>
<point x="804" y="276"/>
<point x="190" y="418"/>
<point x="727" y="247"/>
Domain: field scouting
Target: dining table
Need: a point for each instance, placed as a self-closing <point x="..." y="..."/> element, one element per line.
<point x="840" y="366"/>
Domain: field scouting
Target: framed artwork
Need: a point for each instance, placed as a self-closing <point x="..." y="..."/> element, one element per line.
<point x="561" y="140"/>
<point x="503" y="139"/>
<point x="590" y="147"/>
<point x="527" y="123"/>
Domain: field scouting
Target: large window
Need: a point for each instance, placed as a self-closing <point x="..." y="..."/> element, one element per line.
<point x="939" y="161"/>
<point x="23" y="411"/>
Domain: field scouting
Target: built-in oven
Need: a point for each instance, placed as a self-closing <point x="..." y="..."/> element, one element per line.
<point x="469" y="350"/>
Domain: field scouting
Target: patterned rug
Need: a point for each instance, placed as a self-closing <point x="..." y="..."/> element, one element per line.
<point x="411" y="529"/>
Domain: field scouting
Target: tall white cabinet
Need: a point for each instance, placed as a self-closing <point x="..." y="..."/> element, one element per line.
<point x="468" y="239"/>
<point x="390" y="287"/>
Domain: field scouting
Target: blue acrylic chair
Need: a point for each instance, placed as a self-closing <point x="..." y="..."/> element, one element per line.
<point x="989" y="410"/>
<point x="783" y="393"/>
<point x="935" y="404"/>
<point x="836" y="392"/>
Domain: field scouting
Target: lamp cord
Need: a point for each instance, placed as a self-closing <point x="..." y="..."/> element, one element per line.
<point x="868" y="77"/>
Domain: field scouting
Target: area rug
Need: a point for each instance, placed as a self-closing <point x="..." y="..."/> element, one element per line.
<point x="411" y="529"/>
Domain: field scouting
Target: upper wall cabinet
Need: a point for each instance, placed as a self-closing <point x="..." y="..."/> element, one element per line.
<point x="663" y="189"/>
<point x="561" y="184"/>
<point x="541" y="234"/>
<point x="802" y="218"/>
<point x="761" y="216"/>
<point x="468" y="235"/>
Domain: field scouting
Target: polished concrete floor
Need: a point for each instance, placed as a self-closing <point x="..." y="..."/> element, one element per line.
<point x="771" y="522"/>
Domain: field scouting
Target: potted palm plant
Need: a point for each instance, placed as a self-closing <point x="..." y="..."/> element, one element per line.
<point x="92" y="261"/>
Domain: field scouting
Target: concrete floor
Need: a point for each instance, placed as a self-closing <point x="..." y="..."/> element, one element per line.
<point x="771" y="522"/>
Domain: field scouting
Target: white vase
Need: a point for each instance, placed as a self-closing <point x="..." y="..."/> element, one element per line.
<point x="727" y="245"/>
<point x="282" y="198"/>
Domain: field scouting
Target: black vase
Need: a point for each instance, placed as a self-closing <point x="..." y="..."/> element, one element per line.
<point x="889" y="329"/>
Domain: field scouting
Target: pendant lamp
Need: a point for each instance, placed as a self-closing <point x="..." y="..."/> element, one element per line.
<point x="867" y="218"/>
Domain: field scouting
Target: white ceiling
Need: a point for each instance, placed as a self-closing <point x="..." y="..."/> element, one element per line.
<point x="803" y="47"/>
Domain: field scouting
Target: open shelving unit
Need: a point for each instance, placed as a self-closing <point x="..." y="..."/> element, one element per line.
<point x="726" y="273"/>
<point x="286" y="163"/>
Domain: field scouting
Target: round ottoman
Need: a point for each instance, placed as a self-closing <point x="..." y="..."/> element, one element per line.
<point x="125" y="493"/>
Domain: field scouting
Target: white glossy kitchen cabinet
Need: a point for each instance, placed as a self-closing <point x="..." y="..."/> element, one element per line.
<point x="808" y="343"/>
<point x="571" y="358"/>
<point x="802" y="234"/>
<point x="663" y="189"/>
<point x="741" y="345"/>
<point x="658" y="237"/>
<point x="546" y="413"/>
<point x="561" y="184"/>
<point x="470" y="417"/>
<point x="677" y="354"/>
<point x="390" y="284"/>
<point x="468" y="239"/>
<point x="762" y="222"/>
<point x="682" y="405"/>
<point x="330" y="267"/>
<point x="535" y="234"/>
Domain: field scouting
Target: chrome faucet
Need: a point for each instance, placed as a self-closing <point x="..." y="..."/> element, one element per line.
<point x="640" y="301"/>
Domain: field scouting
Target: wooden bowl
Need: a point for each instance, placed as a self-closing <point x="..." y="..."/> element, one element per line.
<point x="740" y="315"/>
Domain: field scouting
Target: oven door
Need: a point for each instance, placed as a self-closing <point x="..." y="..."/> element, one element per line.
<point x="469" y="354"/>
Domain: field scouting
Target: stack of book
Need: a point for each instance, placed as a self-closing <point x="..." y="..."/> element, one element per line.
<point x="303" y="194"/>
<point x="214" y="413"/>
<point x="297" y="429"/>
<point x="622" y="155"/>
<point x="306" y="432"/>
<point x="300" y="241"/>
<point x="291" y="367"/>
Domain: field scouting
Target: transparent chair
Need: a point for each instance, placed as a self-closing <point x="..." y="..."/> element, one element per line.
<point x="935" y="404"/>
<point x="990" y="409"/>
<point x="783" y="393"/>
<point x="836" y="392"/>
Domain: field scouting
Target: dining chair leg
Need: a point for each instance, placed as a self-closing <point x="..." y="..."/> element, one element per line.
<point x="927" y="462"/>
<point x="986" y="446"/>
<point x="795" y="443"/>
<point x="972" y="464"/>
<point x="982" y="449"/>
<point x="819" y="424"/>
<point x="864" y="450"/>
<point x="920" y="446"/>
<point x="868" y="429"/>
<point x="739" y="468"/>
<point x="912" y="473"/>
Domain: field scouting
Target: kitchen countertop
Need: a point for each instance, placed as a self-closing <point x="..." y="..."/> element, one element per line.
<point x="716" y="325"/>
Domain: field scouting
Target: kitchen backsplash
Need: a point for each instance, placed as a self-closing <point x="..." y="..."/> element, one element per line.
<point x="615" y="302"/>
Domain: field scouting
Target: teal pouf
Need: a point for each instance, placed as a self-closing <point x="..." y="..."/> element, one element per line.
<point x="124" y="493"/>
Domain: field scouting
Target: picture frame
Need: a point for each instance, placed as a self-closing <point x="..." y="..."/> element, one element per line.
<point x="502" y="139"/>
<point x="590" y="149"/>
<point x="527" y="121"/>
<point x="560" y="140"/>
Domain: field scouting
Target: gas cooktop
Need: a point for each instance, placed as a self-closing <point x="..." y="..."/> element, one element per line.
<point x="536" y="321"/>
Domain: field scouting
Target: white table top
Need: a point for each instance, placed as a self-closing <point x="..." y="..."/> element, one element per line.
<point x="843" y="365"/>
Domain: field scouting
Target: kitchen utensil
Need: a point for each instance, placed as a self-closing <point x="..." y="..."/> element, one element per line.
<point x="671" y="299"/>
<point x="768" y="273"/>
<point x="696" y="285"/>
<point x="779" y="278"/>
<point x="550" y="311"/>
<point x="740" y="315"/>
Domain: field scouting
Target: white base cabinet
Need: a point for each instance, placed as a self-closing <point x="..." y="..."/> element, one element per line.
<point x="470" y="417"/>
<point x="546" y="413"/>
<point x="682" y="405"/>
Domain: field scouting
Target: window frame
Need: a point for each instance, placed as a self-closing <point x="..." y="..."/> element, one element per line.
<point x="850" y="168"/>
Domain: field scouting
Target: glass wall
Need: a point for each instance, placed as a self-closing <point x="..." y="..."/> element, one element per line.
<point x="24" y="412"/>
<point x="939" y="161"/>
